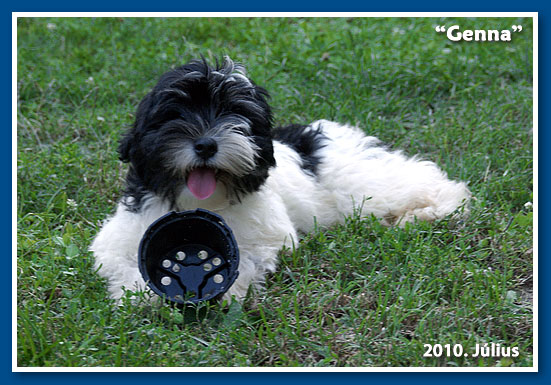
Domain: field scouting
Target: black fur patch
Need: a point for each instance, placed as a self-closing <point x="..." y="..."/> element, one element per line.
<point x="306" y="141"/>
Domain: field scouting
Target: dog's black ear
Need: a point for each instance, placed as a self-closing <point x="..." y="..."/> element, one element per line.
<point x="125" y="145"/>
<point x="128" y="143"/>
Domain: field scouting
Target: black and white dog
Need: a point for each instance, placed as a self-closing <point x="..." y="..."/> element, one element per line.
<point x="203" y="138"/>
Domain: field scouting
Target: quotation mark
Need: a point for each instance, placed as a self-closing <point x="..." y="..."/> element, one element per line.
<point x="442" y="28"/>
<point x="517" y="28"/>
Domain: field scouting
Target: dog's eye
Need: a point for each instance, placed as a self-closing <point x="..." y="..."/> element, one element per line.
<point x="240" y="130"/>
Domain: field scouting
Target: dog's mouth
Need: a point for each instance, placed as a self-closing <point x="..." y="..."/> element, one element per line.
<point x="201" y="182"/>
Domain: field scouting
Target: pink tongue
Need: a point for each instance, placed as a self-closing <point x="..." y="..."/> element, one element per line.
<point x="201" y="182"/>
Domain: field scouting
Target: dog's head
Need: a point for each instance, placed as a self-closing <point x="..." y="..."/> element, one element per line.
<point x="200" y="127"/>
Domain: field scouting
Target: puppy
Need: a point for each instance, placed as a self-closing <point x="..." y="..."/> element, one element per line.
<point x="203" y="138"/>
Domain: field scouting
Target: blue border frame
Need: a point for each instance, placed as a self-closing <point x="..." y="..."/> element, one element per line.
<point x="286" y="5"/>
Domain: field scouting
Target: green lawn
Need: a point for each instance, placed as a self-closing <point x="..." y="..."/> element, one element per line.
<point x="353" y="295"/>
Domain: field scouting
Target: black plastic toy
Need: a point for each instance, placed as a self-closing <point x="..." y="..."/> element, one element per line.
<point x="189" y="257"/>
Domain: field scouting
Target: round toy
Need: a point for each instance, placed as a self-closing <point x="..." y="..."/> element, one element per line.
<point x="189" y="257"/>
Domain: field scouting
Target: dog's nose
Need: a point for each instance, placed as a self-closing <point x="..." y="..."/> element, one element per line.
<point x="205" y="147"/>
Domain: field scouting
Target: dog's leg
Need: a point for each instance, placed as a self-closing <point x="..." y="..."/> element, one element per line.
<point x="115" y="248"/>
<point x="261" y="227"/>
<point x="432" y="196"/>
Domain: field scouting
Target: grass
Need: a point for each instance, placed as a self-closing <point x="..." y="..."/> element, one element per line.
<point x="354" y="295"/>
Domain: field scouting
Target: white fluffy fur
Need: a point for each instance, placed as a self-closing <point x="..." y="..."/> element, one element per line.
<point x="353" y="171"/>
